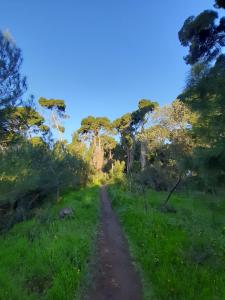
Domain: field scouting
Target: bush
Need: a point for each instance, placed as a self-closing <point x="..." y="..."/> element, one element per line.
<point x="117" y="172"/>
<point x="31" y="172"/>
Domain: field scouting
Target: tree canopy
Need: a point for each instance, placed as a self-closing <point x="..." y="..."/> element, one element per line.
<point x="220" y="4"/>
<point x="94" y="125"/>
<point x="12" y="83"/>
<point x="52" y="104"/>
<point x="204" y="36"/>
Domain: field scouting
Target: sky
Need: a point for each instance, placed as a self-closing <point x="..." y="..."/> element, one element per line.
<point x="101" y="56"/>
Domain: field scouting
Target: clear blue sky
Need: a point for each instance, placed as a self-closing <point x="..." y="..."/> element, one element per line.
<point x="101" y="56"/>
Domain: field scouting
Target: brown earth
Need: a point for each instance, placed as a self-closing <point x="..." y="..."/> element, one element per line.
<point x="115" y="278"/>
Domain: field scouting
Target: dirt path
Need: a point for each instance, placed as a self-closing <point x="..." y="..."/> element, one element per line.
<point x="115" y="277"/>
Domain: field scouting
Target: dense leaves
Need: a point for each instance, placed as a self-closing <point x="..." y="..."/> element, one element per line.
<point x="220" y="4"/>
<point x="204" y="95"/>
<point x="52" y="103"/>
<point x="203" y="36"/>
<point x="12" y="83"/>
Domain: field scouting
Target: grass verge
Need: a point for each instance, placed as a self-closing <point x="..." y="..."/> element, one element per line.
<point x="179" y="255"/>
<point x="47" y="257"/>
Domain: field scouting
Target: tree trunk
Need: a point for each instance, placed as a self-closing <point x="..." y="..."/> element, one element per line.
<point x="130" y="158"/>
<point x="128" y="161"/>
<point x="56" y="124"/>
<point x="98" y="153"/>
<point x="143" y="156"/>
<point x="94" y="154"/>
<point x="172" y="190"/>
<point x="110" y="159"/>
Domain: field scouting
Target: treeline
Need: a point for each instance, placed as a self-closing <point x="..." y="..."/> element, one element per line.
<point x="181" y="144"/>
<point x="33" y="166"/>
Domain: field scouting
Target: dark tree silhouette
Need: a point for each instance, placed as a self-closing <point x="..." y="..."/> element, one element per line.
<point x="12" y="83"/>
<point x="220" y="4"/>
<point x="204" y="37"/>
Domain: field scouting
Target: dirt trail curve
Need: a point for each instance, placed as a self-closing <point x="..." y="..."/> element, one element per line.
<point x="115" y="277"/>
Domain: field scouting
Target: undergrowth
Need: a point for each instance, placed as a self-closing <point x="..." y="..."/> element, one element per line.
<point x="179" y="255"/>
<point x="48" y="257"/>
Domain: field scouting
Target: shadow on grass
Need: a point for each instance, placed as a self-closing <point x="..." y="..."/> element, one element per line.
<point x="47" y="257"/>
<point x="181" y="255"/>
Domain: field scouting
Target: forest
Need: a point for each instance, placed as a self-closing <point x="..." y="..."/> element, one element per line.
<point x="162" y="167"/>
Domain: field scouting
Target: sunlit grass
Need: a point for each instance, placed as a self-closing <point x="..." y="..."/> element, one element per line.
<point x="179" y="255"/>
<point x="46" y="257"/>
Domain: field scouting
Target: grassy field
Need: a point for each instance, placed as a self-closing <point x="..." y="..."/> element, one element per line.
<point x="179" y="255"/>
<point x="48" y="258"/>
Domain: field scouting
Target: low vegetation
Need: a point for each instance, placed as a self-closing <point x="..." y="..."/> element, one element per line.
<point x="180" y="255"/>
<point x="47" y="257"/>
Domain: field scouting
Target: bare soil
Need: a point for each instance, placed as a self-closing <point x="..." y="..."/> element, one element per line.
<point x="115" y="278"/>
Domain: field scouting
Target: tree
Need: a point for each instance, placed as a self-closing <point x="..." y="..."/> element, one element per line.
<point x="108" y="144"/>
<point x="205" y="97"/>
<point x="12" y="83"/>
<point x="204" y="92"/>
<point x="23" y="122"/>
<point x="176" y="119"/>
<point x="57" y="108"/>
<point x="32" y="166"/>
<point x="139" y="119"/>
<point x="92" y="128"/>
<point x="77" y="147"/>
<point x="169" y="144"/>
<point x="204" y="37"/>
<point x="220" y="4"/>
<point x="129" y="125"/>
<point x="124" y="127"/>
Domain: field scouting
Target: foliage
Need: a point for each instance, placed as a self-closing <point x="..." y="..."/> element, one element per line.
<point x="128" y="126"/>
<point x="123" y="125"/>
<point x="139" y="116"/>
<point x="204" y="37"/>
<point x="168" y="144"/>
<point x="52" y="103"/>
<point x="94" y="130"/>
<point x="220" y="4"/>
<point x="116" y="173"/>
<point x="30" y="172"/>
<point x="78" y="148"/>
<point x="205" y="97"/>
<point x="12" y="83"/>
<point x="51" y="256"/>
<point x="57" y="108"/>
<point x="94" y="126"/>
<point x="26" y="119"/>
<point x="164" y="246"/>
<point x="108" y="143"/>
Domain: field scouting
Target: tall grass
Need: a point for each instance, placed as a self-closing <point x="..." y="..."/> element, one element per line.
<point x="179" y="255"/>
<point x="47" y="257"/>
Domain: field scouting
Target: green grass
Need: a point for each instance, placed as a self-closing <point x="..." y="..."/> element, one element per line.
<point x="179" y="255"/>
<point x="48" y="258"/>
